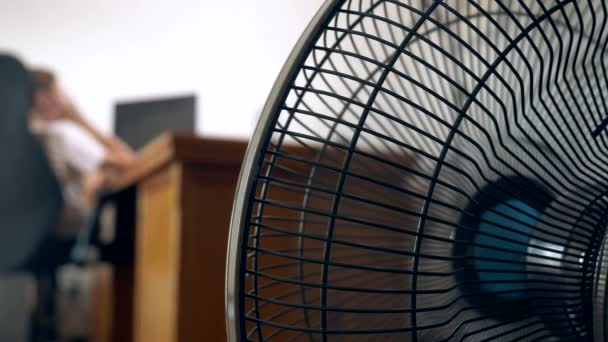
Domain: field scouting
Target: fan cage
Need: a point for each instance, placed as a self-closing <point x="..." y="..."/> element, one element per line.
<point x="355" y="216"/>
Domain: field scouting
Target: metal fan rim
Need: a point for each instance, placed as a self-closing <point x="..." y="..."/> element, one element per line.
<point x="251" y="164"/>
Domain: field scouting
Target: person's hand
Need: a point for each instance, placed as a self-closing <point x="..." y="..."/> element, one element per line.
<point x="120" y="157"/>
<point x="67" y="108"/>
<point x="70" y="112"/>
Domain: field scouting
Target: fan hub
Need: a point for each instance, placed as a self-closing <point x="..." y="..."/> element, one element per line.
<point x="510" y="224"/>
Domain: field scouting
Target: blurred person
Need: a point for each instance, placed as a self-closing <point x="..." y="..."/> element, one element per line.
<point x="84" y="159"/>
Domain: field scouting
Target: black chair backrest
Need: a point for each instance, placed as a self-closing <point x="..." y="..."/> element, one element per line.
<point x="30" y="196"/>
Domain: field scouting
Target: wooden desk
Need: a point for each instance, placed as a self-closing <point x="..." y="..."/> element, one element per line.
<point x="172" y="289"/>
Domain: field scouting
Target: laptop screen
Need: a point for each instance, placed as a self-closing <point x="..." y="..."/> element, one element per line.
<point x="137" y="123"/>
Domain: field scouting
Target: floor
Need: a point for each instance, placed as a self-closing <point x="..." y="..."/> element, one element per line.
<point x="17" y="300"/>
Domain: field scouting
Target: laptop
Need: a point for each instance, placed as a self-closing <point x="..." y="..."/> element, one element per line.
<point x="138" y="123"/>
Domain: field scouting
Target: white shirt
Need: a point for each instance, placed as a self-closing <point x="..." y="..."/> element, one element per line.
<point x="72" y="153"/>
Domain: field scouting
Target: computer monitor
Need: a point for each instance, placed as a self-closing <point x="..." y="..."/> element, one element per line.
<point x="137" y="123"/>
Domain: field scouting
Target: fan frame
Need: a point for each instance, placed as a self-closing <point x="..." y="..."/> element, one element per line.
<point x="252" y="164"/>
<point x="253" y="160"/>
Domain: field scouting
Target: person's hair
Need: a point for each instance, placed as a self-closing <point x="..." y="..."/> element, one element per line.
<point x="42" y="79"/>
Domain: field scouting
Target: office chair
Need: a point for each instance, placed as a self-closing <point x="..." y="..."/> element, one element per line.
<point x="30" y="197"/>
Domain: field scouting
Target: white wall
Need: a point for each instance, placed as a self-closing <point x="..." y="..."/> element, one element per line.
<point x="227" y="52"/>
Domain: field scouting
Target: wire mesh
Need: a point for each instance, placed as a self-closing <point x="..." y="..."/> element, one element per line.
<point x="437" y="171"/>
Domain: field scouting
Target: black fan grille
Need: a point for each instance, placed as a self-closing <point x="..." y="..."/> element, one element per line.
<point x="401" y="116"/>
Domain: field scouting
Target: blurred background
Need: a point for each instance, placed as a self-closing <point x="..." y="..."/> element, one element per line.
<point x="196" y="65"/>
<point x="115" y="50"/>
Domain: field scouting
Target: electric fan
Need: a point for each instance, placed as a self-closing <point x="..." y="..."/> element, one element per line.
<point x="429" y="171"/>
